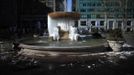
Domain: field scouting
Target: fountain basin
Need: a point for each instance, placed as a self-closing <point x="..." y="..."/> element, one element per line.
<point x="41" y="48"/>
<point x="43" y="43"/>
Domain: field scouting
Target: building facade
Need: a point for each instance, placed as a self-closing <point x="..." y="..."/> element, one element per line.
<point x="49" y="3"/>
<point x="55" y="5"/>
<point x="106" y="14"/>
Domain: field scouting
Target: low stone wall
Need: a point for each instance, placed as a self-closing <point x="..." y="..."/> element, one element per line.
<point x="65" y="57"/>
<point x="116" y="45"/>
<point x="99" y="48"/>
<point x="5" y="46"/>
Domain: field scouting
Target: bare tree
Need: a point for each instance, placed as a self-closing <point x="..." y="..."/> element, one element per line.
<point x="105" y="12"/>
<point x="124" y="7"/>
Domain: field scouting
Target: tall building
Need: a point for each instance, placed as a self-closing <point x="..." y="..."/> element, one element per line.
<point x="55" y="5"/>
<point x="8" y="13"/>
<point x="106" y="14"/>
<point x="60" y="5"/>
<point x="49" y="3"/>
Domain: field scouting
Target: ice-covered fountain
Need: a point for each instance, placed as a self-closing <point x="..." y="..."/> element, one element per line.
<point x="61" y="25"/>
<point x="62" y="39"/>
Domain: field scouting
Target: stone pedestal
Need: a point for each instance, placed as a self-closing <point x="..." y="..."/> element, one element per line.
<point x="115" y="45"/>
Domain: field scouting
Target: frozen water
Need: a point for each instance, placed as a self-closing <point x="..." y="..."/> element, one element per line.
<point x="126" y="45"/>
<point x="56" y="34"/>
<point x="73" y="33"/>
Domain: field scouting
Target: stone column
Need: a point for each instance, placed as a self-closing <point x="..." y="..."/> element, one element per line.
<point x="114" y="24"/>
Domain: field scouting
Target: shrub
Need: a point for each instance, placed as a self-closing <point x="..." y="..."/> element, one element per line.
<point x="115" y="35"/>
<point x="95" y="30"/>
<point x="96" y="35"/>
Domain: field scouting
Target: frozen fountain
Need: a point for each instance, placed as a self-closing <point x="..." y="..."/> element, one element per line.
<point x="62" y="39"/>
<point x="61" y="25"/>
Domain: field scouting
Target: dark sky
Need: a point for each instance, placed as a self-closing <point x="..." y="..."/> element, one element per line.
<point x="10" y="10"/>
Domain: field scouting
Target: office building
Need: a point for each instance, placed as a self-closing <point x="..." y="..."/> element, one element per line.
<point x="106" y="14"/>
<point x="55" y="5"/>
